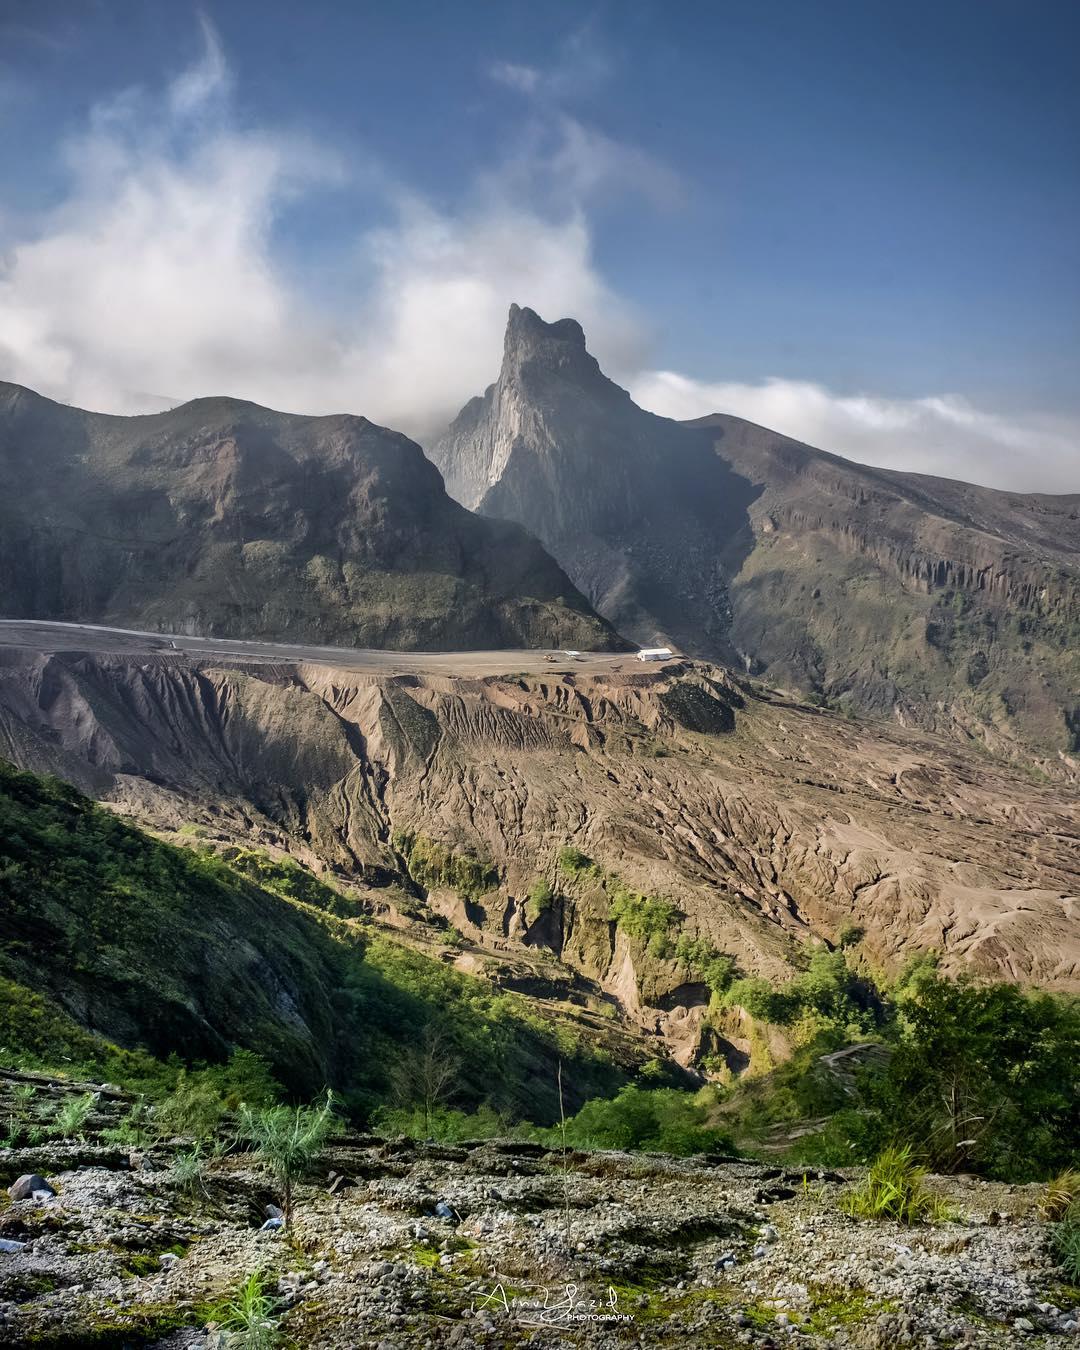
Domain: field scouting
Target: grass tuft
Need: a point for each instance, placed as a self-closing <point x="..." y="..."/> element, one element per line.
<point x="894" y="1189"/>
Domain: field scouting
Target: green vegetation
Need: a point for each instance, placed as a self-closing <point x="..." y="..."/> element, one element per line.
<point x="432" y="864"/>
<point x="572" y="862"/>
<point x="288" y="1139"/>
<point x="540" y="899"/>
<point x="72" y="1115"/>
<point x="248" y="1319"/>
<point x="189" y="1168"/>
<point x="650" y="920"/>
<point x="894" y="1189"/>
<point x="1062" y="1192"/>
<point x="1065" y="1240"/>
<point x="647" y="918"/>
<point x="970" y="1076"/>
<point x="285" y="877"/>
<point x="658" y="1120"/>
<point x="829" y="992"/>
<point x="717" y="969"/>
<point x="650" y="1119"/>
<point x="264" y="993"/>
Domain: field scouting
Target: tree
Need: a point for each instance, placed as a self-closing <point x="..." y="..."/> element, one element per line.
<point x="425" y="1074"/>
<point x="986" y="1077"/>
<point x="288" y="1139"/>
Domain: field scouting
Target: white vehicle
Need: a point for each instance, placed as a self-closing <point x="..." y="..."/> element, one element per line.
<point x="655" y="654"/>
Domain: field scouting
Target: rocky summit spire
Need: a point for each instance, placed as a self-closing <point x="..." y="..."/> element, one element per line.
<point x="533" y="347"/>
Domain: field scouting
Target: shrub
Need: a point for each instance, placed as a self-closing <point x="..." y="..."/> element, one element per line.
<point x="894" y="1189"/>
<point x="288" y="1139"/>
<point x="188" y="1168"/>
<point x="716" y="968"/>
<point x="433" y="864"/>
<point x="541" y="898"/>
<point x="984" y="1078"/>
<point x="850" y="935"/>
<point x="445" y="1124"/>
<point x="22" y="1119"/>
<point x="193" y="1110"/>
<point x="134" y="1128"/>
<point x="248" y="1320"/>
<point x="662" y="1120"/>
<point x="647" y="918"/>
<point x="573" y="862"/>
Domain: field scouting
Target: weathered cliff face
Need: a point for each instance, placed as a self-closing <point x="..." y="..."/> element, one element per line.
<point x="938" y="603"/>
<point x="767" y="823"/>
<point x="629" y="502"/>
<point x="221" y="517"/>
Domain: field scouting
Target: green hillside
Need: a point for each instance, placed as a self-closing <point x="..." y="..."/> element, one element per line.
<point x="118" y="951"/>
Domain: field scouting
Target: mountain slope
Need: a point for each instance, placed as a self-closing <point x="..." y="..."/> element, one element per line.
<point x="943" y="604"/>
<point x="724" y="822"/>
<point x="110" y="937"/>
<point x="221" y="517"/>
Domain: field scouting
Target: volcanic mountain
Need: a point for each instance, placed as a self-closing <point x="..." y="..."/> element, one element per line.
<point x="223" y="518"/>
<point x="939" y="603"/>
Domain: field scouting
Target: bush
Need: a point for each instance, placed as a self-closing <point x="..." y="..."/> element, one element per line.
<point x="984" y="1078"/>
<point x="188" y="1168"/>
<point x="541" y="898"/>
<point x="647" y="918"/>
<point x="444" y="1123"/>
<point x="894" y="1189"/>
<point x="573" y="862"/>
<point x="433" y="864"/>
<point x="193" y="1110"/>
<point x="716" y="968"/>
<point x="72" y="1115"/>
<point x="660" y="1120"/>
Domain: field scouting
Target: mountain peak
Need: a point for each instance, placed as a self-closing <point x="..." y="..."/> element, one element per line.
<point x="532" y="343"/>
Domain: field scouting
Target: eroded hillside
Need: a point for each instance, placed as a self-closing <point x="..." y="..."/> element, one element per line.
<point x="757" y="823"/>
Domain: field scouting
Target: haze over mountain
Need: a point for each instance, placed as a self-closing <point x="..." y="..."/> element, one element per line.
<point x="222" y="517"/>
<point x="953" y="606"/>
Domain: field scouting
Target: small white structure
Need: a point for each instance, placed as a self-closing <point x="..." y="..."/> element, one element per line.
<point x="655" y="654"/>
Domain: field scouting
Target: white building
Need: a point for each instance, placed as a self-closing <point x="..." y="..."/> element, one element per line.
<point x="655" y="654"/>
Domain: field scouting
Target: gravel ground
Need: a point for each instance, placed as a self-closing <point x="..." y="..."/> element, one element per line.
<point x="618" y="1249"/>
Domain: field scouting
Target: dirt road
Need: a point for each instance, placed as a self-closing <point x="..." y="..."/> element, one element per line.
<point x="46" y="636"/>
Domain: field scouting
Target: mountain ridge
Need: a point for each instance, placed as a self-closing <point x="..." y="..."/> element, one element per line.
<point x="223" y="517"/>
<point x="930" y="600"/>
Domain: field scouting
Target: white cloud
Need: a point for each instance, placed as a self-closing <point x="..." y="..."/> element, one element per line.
<point x="159" y="276"/>
<point x="942" y="435"/>
<point x="524" y="79"/>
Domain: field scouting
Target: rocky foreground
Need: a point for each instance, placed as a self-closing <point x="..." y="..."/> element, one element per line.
<point x="499" y="1243"/>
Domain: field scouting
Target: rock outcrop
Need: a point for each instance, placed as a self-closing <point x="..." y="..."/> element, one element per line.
<point x="223" y="518"/>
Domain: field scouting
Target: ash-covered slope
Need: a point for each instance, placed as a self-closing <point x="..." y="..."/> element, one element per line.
<point x="952" y="606"/>
<point x="765" y="823"/>
<point x="224" y="518"/>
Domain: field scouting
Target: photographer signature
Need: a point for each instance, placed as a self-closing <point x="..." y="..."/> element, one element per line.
<point x="545" y="1307"/>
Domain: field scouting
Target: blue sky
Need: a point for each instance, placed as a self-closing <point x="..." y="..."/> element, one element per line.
<point x="853" y="220"/>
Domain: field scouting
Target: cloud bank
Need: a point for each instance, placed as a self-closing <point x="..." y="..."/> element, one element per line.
<point x="161" y="278"/>
<point x="943" y="435"/>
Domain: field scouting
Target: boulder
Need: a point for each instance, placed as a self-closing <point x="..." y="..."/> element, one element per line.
<point x="30" y="1187"/>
